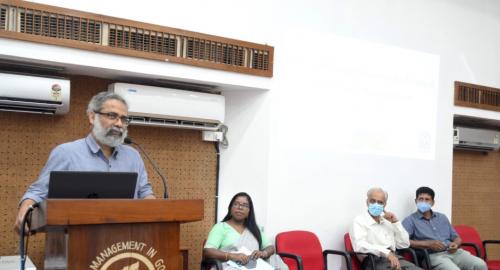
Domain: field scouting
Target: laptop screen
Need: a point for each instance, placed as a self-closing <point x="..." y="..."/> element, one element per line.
<point x="92" y="185"/>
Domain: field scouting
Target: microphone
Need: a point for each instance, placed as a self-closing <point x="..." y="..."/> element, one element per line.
<point x="127" y="140"/>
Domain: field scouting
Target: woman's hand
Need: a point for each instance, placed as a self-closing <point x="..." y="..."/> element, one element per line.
<point x="239" y="257"/>
<point x="258" y="254"/>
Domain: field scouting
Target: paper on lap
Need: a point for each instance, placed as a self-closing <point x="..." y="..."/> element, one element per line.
<point x="259" y="265"/>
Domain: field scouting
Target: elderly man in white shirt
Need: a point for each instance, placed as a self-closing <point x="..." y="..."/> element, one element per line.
<point x="380" y="233"/>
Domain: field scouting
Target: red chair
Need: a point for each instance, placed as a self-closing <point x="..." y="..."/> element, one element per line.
<point x="356" y="263"/>
<point x="302" y="250"/>
<point x="408" y="253"/>
<point x="472" y="243"/>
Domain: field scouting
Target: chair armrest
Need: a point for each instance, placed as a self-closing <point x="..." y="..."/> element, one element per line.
<point x="209" y="262"/>
<point x="423" y="255"/>
<point x="296" y="258"/>
<point x="344" y="254"/>
<point x="476" y="248"/>
<point x="491" y="242"/>
<point x="485" y="242"/>
<point x="369" y="255"/>
<point x="412" y="252"/>
<point x="352" y="253"/>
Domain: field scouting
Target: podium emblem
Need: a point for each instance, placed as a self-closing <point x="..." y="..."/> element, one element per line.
<point x="141" y="262"/>
<point x="129" y="255"/>
<point x="134" y="266"/>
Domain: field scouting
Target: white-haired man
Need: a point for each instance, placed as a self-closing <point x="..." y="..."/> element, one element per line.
<point x="101" y="150"/>
<point x="380" y="233"/>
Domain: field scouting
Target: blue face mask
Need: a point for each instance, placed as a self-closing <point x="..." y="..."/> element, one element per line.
<point x="375" y="209"/>
<point x="423" y="207"/>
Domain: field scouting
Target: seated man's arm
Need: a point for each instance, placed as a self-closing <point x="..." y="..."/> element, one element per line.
<point x="401" y="236"/>
<point x="428" y="244"/>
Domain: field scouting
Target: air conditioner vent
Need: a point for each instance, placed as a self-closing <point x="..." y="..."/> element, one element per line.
<point x="474" y="147"/>
<point x="26" y="109"/>
<point x="150" y="121"/>
<point x="35" y="101"/>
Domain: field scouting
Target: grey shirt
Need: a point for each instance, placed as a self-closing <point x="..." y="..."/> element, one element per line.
<point x="86" y="155"/>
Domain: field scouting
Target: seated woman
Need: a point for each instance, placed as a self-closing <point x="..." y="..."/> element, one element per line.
<point x="239" y="230"/>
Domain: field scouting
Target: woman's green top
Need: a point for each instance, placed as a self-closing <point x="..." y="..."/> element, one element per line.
<point x="223" y="235"/>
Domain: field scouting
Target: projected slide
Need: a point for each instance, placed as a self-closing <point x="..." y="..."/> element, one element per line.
<point x="370" y="98"/>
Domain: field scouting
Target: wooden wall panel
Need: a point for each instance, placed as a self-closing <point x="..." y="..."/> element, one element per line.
<point x="27" y="139"/>
<point x="476" y="194"/>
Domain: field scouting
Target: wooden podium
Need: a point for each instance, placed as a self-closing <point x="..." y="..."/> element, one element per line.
<point x="100" y="234"/>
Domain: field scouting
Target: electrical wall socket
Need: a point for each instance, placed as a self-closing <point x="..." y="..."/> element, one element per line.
<point x="212" y="136"/>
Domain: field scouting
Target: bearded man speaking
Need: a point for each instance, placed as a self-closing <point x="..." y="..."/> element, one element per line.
<point x="101" y="150"/>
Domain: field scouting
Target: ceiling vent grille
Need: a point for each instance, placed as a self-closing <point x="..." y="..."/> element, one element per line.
<point x="65" y="27"/>
<point x="3" y="17"/>
<point x="142" y="40"/>
<point x="260" y="60"/>
<point x="217" y="52"/>
<point x="35" y="22"/>
<point x="477" y="96"/>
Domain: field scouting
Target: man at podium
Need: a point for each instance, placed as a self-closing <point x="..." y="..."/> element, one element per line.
<point x="101" y="150"/>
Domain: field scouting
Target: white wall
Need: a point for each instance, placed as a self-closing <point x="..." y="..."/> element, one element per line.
<point x="244" y="164"/>
<point x="310" y="147"/>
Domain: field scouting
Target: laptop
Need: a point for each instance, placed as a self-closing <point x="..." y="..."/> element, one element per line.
<point x="91" y="185"/>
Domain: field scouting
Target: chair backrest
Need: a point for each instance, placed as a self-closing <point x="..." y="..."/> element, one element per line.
<point x="205" y="265"/>
<point x="304" y="244"/>
<point x="356" y="264"/>
<point x="470" y="235"/>
<point x="202" y="247"/>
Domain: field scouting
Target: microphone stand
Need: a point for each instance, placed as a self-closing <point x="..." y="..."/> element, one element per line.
<point x="155" y="167"/>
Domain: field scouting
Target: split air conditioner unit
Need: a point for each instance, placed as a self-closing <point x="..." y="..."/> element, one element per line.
<point x="476" y="139"/>
<point x="158" y="106"/>
<point x="31" y="94"/>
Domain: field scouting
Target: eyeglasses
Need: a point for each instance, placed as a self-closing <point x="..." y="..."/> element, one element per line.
<point x="241" y="205"/>
<point x="114" y="116"/>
